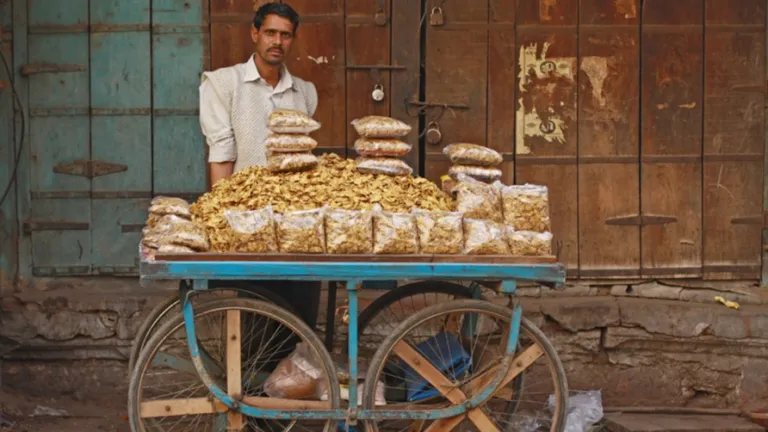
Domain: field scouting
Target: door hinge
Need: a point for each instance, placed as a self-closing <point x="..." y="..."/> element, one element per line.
<point x="30" y="226"/>
<point x="641" y="220"/>
<point x="89" y="168"/>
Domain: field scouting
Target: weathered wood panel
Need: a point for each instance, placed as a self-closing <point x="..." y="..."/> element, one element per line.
<point x="502" y="94"/>
<point x="364" y="47"/>
<point x="9" y="234"/>
<point x="609" y="182"/>
<point x="456" y="61"/>
<point x="546" y="126"/>
<point x="734" y="137"/>
<point x="406" y="51"/>
<point x="672" y="98"/>
<point x="59" y="134"/>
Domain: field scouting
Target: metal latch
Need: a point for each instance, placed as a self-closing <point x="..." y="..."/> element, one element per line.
<point x="38" y="68"/>
<point x="641" y="220"/>
<point x="89" y="168"/>
<point x="30" y="226"/>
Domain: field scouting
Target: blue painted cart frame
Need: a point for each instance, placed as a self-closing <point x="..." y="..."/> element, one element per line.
<point x="354" y="273"/>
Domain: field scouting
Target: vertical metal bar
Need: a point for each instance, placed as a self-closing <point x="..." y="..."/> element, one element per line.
<point x="352" y="286"/>
<point x="514" y="330"/>
<point x="330" y="315"/>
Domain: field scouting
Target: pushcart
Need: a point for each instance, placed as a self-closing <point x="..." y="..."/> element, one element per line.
<point x="199" y="370"/>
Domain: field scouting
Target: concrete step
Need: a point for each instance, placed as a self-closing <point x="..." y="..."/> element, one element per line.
<point x="627" y="422"/>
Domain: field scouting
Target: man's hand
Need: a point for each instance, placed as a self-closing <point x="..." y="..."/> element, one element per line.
<point x="221" y="170"/>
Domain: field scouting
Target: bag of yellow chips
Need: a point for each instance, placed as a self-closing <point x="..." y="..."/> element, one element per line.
<point x="481" y="173"/>
<point x="477" y="200"/>
<point x="528" y="243"/>
<point x="291" y="162"/>
<point x="289" y="143"/>
<point x="374" y="126"/>
<point x="162" y="206"/>
<point x="526" y="207"/>
<point x="286" y="121"/>
<point x="383" y="165"/>
<point x="484" y="237"/>
<point x="472" y="154"/>
<point x="440" y="233"/>
<point x="349" y="231"/>
<point x="301" y="231"/>
<point x="377" y="147"/>
<point x="252" y="231"/>
<point x="394" y="233"/>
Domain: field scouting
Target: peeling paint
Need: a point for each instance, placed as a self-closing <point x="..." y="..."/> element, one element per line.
<point x="532" y="126"/>
<point x="542" y="66"/>
<point x="318" y="60"/>
<point x="596" y="69"/>
<point x="544" y="9"/>
<point x="626" y="7"/>
<point x="691" y="105"/>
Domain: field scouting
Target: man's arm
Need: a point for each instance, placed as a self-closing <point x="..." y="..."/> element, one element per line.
<point x="216" y="125"/>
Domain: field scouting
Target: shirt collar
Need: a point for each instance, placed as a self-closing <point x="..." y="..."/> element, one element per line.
<point x="252" y="75"/>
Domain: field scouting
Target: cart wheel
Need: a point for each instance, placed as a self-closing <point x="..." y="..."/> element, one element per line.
<point x="447" y="353"/>
<point x="167" y="394"/>
<point x="170" y="305"/>
<point x="384" y="315"/>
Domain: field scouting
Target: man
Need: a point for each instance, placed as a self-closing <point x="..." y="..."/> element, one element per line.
<point x="235" y="103"/>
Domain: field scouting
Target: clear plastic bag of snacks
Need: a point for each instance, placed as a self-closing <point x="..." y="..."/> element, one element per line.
<point x="526" y="207"/>
<point x="383" y="165"/>
<point x="440" y="232"/>
<point x="478" y="200"/>
<point x="472" y="154"/>
<point x="374" y="126"/>
<point x="162" y="206"/>
<point x="349" y="231"/>
<point x="377" y="147"/>
<point x="287" y="121"/>
<point x="484" y="237"/>
<point x="177" y="231"/>
<point x="528" y="243"/>
<point x="301" y="231"/>
<point x="252" y="231"/>
<point x="174" y="249"/>
<point x="394" y="233"/>
<point x="485" y="174"/>
<point x="291" y="162"/>
<point x="289" y="143"/>
<point x="296" y="376"/>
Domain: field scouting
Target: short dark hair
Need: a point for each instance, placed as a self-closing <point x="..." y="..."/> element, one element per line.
<point x="279" y="9"/>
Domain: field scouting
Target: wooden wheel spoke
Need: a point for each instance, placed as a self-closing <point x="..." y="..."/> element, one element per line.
<point x="519" y="364"/>
<point x="429" y="372"/>
<point x="194" y="406"/>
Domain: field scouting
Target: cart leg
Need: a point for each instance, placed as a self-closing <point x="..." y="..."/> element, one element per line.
<point x="352" y="288"/>
<point x="235" y="421"/>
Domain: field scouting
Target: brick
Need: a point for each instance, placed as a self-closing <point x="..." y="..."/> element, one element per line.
<point x="652" y="290"/>
<point x="586" y="313"/>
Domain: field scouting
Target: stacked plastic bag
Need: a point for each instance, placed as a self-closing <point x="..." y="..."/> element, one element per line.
<point x="380" y="145"/>
<point x="170" y="229"/>
<point x="289" y="147"/>
<point x="478" y="162"/>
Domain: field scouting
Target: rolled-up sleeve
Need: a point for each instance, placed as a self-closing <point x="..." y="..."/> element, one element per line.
<point x="311" y="99"/>
<point x="216" y="124"/>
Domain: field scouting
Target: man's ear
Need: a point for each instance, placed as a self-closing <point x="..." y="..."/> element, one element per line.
<point x="254" y="33"/>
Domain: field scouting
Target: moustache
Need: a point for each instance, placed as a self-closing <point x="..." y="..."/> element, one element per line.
<point x="276" y="49"/>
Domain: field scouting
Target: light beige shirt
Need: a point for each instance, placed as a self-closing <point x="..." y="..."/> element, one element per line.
<point x="235" y="103"/>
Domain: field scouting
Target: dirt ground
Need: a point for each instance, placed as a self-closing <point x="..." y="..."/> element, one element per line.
<point x="77" y="396"/>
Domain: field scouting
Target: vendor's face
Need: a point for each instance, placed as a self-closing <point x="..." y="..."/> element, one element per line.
<point x="274" y="39"/>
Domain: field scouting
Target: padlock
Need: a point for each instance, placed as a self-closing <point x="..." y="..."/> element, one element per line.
<point x="434" y="136"/>
<point x="380" y="18"/>
<point x="436" y="16"/>
<point x="378" y="93"/>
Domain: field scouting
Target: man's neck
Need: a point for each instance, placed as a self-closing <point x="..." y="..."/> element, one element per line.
<point x="269" y="73"/>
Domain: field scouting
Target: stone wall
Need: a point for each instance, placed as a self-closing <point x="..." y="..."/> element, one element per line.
<point x="641" y="344"/>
